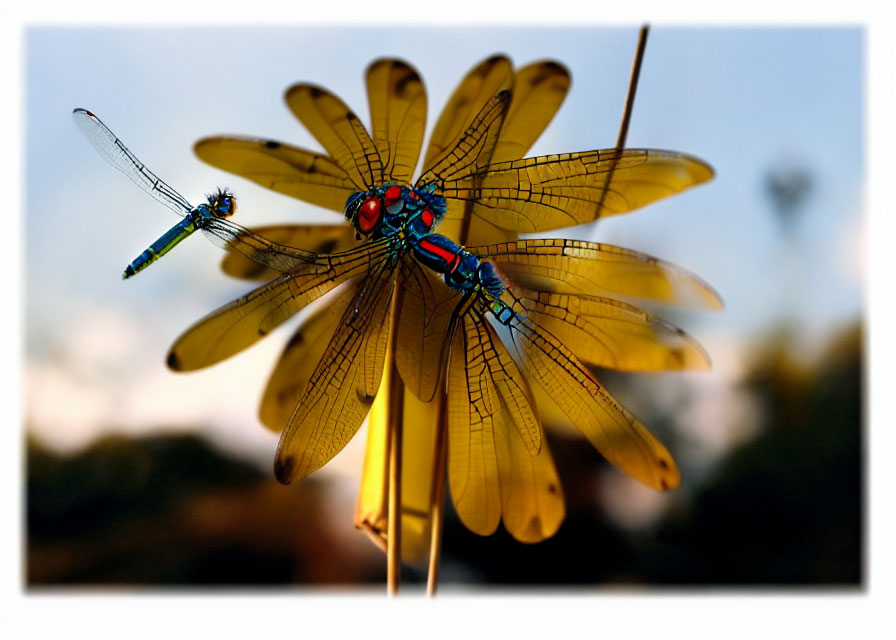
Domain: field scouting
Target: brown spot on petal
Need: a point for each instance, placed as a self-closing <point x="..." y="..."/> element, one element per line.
<point x="283" y="468"/>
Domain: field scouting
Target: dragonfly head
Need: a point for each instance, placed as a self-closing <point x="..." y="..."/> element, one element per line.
<point x="222" y="204"/>
<point x="367" y="209"/>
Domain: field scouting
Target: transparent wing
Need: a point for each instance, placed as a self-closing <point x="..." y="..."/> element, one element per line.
<point x="299" y="358"/>
<point x="488" y="401"/>
<point x="264" y="252"/>
<point x="397" y="116"/>
<point x="118" y="155"/>
<point x="617" y="434"/>
<point x="244" y="321"/>
<point x="340" y="132"/>
<point x="292" y="171"/>
<point x="478" y="86"/>
<point x="319" y="239"/>
<point x="612" y="334"/>
<point x="555" y="191"/>
<point x="425" y="324"/>
<point x="577" y="267"/>
<point x="472" y="458"/>
<point x="459" y="164"/>
<point x="342" y="388"/>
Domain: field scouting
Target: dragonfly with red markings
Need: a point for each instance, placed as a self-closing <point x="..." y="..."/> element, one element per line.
<point x="459" y="316"/>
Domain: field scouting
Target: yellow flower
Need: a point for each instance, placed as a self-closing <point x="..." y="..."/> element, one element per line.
<point x="499" y="464"/>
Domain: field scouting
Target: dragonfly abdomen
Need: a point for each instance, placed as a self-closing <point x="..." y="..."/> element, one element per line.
<point x="463" y="271"/>
<point x="164" y="244"/>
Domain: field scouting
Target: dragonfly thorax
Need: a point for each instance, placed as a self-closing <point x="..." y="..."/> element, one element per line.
<point x="392" y="209"/>
<point x="220" y="204"/>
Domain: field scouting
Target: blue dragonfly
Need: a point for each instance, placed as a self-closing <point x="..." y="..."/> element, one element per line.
<point x="210" y="216"/>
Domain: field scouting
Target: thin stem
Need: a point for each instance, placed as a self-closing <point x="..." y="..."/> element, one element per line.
<point x="626" y="111"/>
<point x="393" y="547"/>
<point x="632" y="87"/>
<point x="437" y="497"/>
<point x="394" y="424"/>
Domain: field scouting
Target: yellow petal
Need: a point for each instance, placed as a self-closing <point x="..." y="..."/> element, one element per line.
<point x="281" y="167"/>
<point x="398" y="116"/>
<point x="531" y="495"/>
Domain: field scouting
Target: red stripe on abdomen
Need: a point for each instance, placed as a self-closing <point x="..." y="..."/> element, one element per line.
<point x="446" y="256"/>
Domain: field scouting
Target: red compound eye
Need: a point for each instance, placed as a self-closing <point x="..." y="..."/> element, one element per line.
<point x="392" y="195"/>
<point x="368" y="214"/>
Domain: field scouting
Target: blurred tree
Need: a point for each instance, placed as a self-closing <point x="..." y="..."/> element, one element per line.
<point x="785" y="509"/>
<point x="173" y="511"/>
<point x="787" y="184"/>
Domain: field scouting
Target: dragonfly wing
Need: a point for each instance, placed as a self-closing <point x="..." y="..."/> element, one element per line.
<point x="425" y="323"/>
<point x="489" y="410"/>
<point x="266" y="253"/>
<point x="538" y="91"/>
<point x="321" y="239"/>
<point x="477" y="87"/>
<point x="473" y="406"/>
<point x="577" y="267"/>
<point x="555" y="191"/>
<point x="120" y="157"/>
<point x="286" y="169"/>
<point x="342" y="388"/>
<point x="299" y="359"/>
<point x="458" y="165"/>
<point x="397" y="116"/>
<point x="612" y="334"/>
<point x="513" y="392"/>
<point x="340" y="132"/>
<point x="617" y="434"/>
<point x="243" y="322"/>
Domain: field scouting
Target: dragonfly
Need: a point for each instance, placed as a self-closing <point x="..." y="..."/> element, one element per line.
<point x="210" y="216"/>
<point x="452" y="314"/>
